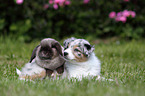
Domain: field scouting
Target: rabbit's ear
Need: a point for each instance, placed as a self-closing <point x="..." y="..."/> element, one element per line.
<point x="67" y="42"/>
<point x="57" y="46"/>
<point x="33" y="54"/>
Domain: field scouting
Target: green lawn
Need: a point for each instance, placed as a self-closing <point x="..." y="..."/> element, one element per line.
<point x="122" y="61"/>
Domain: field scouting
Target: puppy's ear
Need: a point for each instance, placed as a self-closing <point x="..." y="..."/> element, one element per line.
<point x="67" y="42"/>
<point x="88" y="49"/>
<point x="33" y="54"/>
<point x="57" y="46"/>
<point x="88" y="46"/>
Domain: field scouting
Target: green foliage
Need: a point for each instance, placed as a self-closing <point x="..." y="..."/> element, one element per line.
<point x="124" y="62"/>
<point x="2" y="24"/>
<point x="30" y="20"/>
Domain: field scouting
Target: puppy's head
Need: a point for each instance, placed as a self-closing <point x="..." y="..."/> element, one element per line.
<point x="78" y="50"/>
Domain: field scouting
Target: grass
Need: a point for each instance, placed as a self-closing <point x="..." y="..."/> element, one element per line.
<point x="122" y="61"/>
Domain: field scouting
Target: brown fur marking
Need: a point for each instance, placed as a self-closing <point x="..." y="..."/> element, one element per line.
<point x="36" y="76"/>
<point x="83" y="58"/>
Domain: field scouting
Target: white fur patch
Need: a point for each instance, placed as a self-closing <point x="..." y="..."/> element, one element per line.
<point x="92" y="67"/>
<point x="18" y="71"/>
<point x="70" y="55"/>
<point x="30" y="69"/>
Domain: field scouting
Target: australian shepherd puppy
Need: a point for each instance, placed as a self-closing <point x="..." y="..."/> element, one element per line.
<point x="80" y="59"/>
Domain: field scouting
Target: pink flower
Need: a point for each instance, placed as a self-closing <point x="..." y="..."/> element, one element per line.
<point x="126" y="13"/>
<point x="19" y="1"/>
<point x="86" y="1"/>
<point x="117" y="19"/>
<point x="119" y="14"/>
<point x="112" y="15"/>
<point x="126" y="0"/>
<point x="50" y="1"/>
<point x="57" y="1"/>
<point x="45" y="6"/>
<point x="61" y="3"/>
<point x="121" y="18"/>
<point x="55" y="6"/>
<point x="67" y="2"/>
<point x="133" y="14"/>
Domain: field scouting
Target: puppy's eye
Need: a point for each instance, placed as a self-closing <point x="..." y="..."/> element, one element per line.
<point x="76" y="50"/>
<point x="79" y="54"/>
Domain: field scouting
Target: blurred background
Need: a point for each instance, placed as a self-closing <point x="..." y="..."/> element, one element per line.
<point x="28" y="20"/>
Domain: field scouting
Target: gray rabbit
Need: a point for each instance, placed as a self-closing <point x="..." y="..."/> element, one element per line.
<point x="46" y="60"/>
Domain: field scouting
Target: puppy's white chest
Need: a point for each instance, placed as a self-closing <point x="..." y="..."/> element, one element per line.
<point x="83" y="69"/>
<point x="77" y="71"/>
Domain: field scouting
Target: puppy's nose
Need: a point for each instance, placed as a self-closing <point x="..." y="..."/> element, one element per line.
<point x="65" y="53"/>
